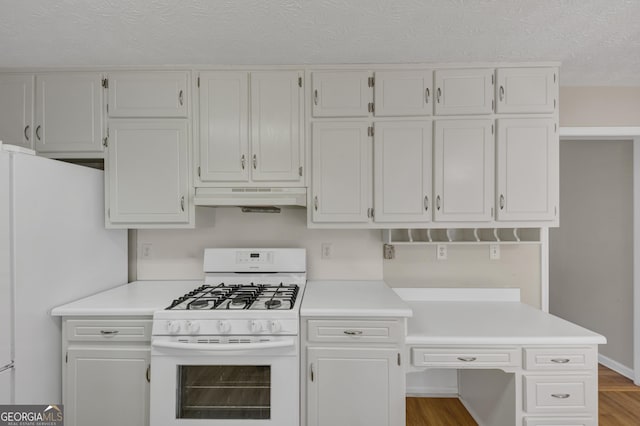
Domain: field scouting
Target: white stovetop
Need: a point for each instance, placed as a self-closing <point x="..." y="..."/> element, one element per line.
<point x="136" y="298"/>
<point x="352" y="299"/>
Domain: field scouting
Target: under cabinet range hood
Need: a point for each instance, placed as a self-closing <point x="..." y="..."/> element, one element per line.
<point x="251" y="197"/>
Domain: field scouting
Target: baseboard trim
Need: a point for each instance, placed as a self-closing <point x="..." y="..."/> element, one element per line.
<point x="616" y="366"/>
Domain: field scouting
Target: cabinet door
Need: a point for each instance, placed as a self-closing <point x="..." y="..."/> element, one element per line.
<point x="464" y="91"/>
<point x="106" y="387"/>
<point x="147" y="171"/>
<point x="148" y="94"/>
<point x="527" y="169"/>
<point x="402" y="171"/>
<point x="224" y="124"/>
<point x="275" y="126"/>
<point x="403" y="93"/>
<point x="341" y="187"/>
<point x="341" y="94"/>
<point x="354" y="386"/>
<point x="16" y="109"/>
<point x="463" y="170"/>
<point x="68" y="112"/>
<point x="526" y="90"/>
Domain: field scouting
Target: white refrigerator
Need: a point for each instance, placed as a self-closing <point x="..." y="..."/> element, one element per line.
<point x="54" y="248"/>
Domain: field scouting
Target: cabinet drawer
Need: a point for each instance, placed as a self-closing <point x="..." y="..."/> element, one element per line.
<point x="114" y="330"/>
<point x="559" y="358"/>
<point x="559" y="394"/>
<point x="464" y="357"/>
<point x="354" y="331"/>
<point x="559" y="421"/>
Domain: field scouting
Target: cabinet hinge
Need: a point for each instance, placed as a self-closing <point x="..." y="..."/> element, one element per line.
<point x="198" y="171"/>
<point x="371" y="107"/>
<point x="372" y="81"/>
<point x="492" y="129"/>
<point x="554" y="104"/>
<point x="300" y="171"/>
<point x="105" y="140"/>
<point x="66" y="357"/>
<point x="492" y="212"/>
<point x="299" y="81"/>
<point x="492" y="104"/>
<point x="554" y="77"/>
<point x="399" y="363"/>
<point x="107" y="108"/>
<point x="198" y="81"/>
<point x="370" y="131"/>
<point x="105" y="83"/>
<point x="109" y="213"/>
<point x="492" y="79"/>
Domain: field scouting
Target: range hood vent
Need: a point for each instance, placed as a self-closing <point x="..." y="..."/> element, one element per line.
<point x="251" y="197"/>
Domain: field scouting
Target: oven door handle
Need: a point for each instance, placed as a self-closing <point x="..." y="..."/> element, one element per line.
<point x="215" y="347"/>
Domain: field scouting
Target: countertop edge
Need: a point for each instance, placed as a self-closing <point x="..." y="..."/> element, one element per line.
<point x="546" y="340"/>
<point x="357" y="313"/>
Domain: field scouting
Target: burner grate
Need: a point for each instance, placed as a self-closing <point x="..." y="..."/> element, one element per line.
<point x="237" y="296"/>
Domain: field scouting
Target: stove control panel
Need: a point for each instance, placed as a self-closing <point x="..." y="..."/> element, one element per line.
<point x="192" y="327"/>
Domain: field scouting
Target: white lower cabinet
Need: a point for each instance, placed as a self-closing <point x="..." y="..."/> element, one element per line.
<point x="107" y="387"/>
<point x="560" y="421"/>
<point x="106" y="371"/>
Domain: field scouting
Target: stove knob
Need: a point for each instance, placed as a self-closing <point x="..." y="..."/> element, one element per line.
<point x="255" y="326"/>
<point x="275" y="326"/>
<point x="173" y="327"/>
<point x="193" y="327"/>
<point x="224" y="326"/>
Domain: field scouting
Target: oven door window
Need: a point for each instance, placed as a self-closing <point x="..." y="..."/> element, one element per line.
<point x="224" y="392"/>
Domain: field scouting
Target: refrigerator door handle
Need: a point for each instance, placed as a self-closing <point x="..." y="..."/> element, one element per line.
<point x="6" y="367"/>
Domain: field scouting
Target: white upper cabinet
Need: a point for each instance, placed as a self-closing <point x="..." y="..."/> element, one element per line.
<point x="224" y="125"/>
<point x="341" y="169"/>
<point x="527" y="169"/>
<point x="340" y="93"/>
<point x="68" y="112"/>
<point x="16" y="109"/>
<point x="275" y="126"/>
<point x="464" y="91"/>
<point x="403" y="93"/>
<point x="148" y="94"/>
<point x="463" y="170"/>
<point x="526" y="90"/>
<point x="147" y="172"/>
<point x="402" y="171"/>
<point x="251" y="128"/>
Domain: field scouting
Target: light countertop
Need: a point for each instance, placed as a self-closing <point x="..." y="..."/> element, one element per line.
<point x="491" y="323"/>
<point x="139" y="298"/>
<point x="352" y="299"/>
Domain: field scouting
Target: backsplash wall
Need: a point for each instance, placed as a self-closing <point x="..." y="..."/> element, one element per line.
<point x="356" y="254"/>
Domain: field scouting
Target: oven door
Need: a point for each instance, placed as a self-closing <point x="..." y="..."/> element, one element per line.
<point x="209" y="384"/>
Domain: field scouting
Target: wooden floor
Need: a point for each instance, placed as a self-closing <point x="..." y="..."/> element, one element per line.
<point x="618" y="405"/>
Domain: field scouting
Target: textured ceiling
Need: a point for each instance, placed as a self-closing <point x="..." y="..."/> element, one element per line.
<point x="597" y="41"/>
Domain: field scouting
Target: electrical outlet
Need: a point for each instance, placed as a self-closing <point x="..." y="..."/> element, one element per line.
<point x="441" y="252"/>
<point x="494" y="251"/>
<point x="327" y="250"/>
<point x="147" y="251"/>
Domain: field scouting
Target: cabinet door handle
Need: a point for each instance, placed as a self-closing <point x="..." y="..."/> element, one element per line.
<point x="148" y="374"/>
<point x="242" y="161"/>
<point x="182" y="203"/>
<point x="438" y="202"/>
<point x="467" y="358"/>
<point x="353" y="332"/>
<point x="501" y="93"/>
<point x="109" y="332"/>
<point x="26" y="130"/>
<point x="501" y="202"/>
<point x="426" y="203"/>
<point x="315" y="97"/>
<point x="561" y="395"/>
<point x="560" y="360"/>
<point x="181" y="97"/>
<point x="311" y="371"/>
<point x="438" y="95"/>
<point x="426" y="95"/>
<point x="315" y="203"/>
<point x="38" y="132"/>
<point x="255" y="162"/>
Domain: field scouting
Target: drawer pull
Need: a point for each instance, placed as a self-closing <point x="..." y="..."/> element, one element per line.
<point x="109" y="332"/>
<point x="353" y="332"/>
<point x="560" y="360"/>
<point x="467" y="358"/>
<point x="561" y="395"/>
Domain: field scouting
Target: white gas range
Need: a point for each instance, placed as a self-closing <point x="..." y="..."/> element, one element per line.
<point x="228" y="351"/>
